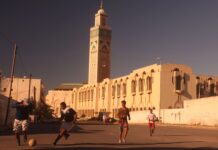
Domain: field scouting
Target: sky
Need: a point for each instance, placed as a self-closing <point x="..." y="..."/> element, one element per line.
<point x="53" y="36"/>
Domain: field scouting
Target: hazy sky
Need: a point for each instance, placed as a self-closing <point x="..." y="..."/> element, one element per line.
<point x="53" y="36"/>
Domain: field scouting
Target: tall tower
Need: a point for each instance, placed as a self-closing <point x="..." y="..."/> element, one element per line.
<point x="100" y="48"/>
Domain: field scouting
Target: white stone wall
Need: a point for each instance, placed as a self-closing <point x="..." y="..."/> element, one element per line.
<point x="140" y="117"/>
<point x="195" y="112"/>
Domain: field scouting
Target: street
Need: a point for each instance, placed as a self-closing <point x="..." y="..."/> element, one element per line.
<point x="98" y="136"/>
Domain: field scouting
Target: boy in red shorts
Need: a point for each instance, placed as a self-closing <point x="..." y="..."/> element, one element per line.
<point x="151" y="121"/>
<point x="123" y="113"/>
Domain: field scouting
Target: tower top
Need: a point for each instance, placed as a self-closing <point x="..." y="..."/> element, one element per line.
<point x="101" y="6"/>
<point x="101" y="10"/>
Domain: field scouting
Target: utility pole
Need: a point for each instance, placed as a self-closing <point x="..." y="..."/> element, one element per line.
<point x="30" y="78"/>
<point x="11" y="83"/>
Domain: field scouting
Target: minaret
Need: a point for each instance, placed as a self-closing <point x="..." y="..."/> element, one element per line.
<point x="100" y="48"/>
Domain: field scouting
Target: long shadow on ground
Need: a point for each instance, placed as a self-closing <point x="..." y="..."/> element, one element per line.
<point x="129" y="148"/>
<point x="49" y="128"/>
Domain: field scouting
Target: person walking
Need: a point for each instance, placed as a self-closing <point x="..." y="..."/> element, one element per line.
<point x="123" y="113"/>
<point x="151" y="121"/>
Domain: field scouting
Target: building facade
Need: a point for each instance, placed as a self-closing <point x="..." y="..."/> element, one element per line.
<point x="66" y="92"/>
<point x="23" y="88"/>
<point x="158" y="86"/>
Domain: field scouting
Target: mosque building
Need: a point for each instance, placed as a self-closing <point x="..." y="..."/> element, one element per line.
<point x="158" y="86"/>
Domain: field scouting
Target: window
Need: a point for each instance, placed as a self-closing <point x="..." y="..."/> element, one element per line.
<point x="80" y="96"/>
<point x="88" y="95"/>
<point x="92" y="94"/>
<point x="113" y="91"/>
<point x="212" y="87"/>
<point x="85" y="95"/>
<point x="178" y="82"/>
<point x="149" y="83"/>
<point x="124" y="89"/>
<point x="118" y="90"/>
<point x="133" y="89"/>
<point x="73" y="97"/>
<point x="103" y="92"/>
<point x="198" y="89"/>
<point x="141" y="85"/>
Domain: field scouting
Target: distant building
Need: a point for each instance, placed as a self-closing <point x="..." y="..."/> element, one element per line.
<point x="163" y="86"/>
<point x="20" y="91"/>
<point x="62" y="93"/>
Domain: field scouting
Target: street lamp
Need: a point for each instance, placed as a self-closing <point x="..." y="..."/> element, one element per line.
<point x="158" y="60"/>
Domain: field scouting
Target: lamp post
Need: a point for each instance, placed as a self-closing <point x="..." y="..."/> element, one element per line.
<point x="158" y="60"/>
<point x="11" y="77"/>
<point x="11" y="83"/>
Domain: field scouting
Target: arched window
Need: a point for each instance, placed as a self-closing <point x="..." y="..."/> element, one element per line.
<point x="85" y="96"/>
<point x="133" y="87"/>
<point x="113" y="91"/>
<point x="118" y="90"/>
<point x="149" y="83"/>
<point x="217" y="87"/>
<point x="92" y="95"/>
<point x="178" y="82"/>
<point x="73" y="97"/>
<point x="88" y="95"/>
<point x="124" y="89"/>
<point x="82" y="94"/>
<point x="211" y="87"/>
<point x="141" y="85"/>
<point x="199" y="90"/>
<point x="103" y="92"/>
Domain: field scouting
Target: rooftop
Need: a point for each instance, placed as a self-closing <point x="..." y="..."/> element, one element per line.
<point x="68" y="86"/>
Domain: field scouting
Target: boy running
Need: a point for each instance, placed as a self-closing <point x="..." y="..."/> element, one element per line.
<point x="68" y="119"/>
<point x="151" y="121"/>
<point x="123" y="113"/>
<point x="23" y="109"/>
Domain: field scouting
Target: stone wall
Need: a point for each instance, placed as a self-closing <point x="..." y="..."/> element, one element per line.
<point x="141" y="116"/>
<point x="202" y="111"/>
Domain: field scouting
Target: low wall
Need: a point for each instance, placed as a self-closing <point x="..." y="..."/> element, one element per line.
<point x="202" y="111"/>
<point x="141" y="116"/>
<point x="172" y="116"/>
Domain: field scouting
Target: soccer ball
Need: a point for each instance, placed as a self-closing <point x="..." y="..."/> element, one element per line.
<point x="32" y="142"/>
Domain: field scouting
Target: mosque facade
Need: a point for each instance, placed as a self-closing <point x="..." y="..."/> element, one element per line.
<point x="158" y="86"/>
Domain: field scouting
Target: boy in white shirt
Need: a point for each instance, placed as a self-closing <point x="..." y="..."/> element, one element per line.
<point x="68" y="119"/>
<point x="151" y="121"/>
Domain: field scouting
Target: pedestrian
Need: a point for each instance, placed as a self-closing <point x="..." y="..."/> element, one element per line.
<point x="23" y="109"/>
<point x="123" y="113"/>
<point x="67" y="119"/>
<point x="151" y="121"/>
